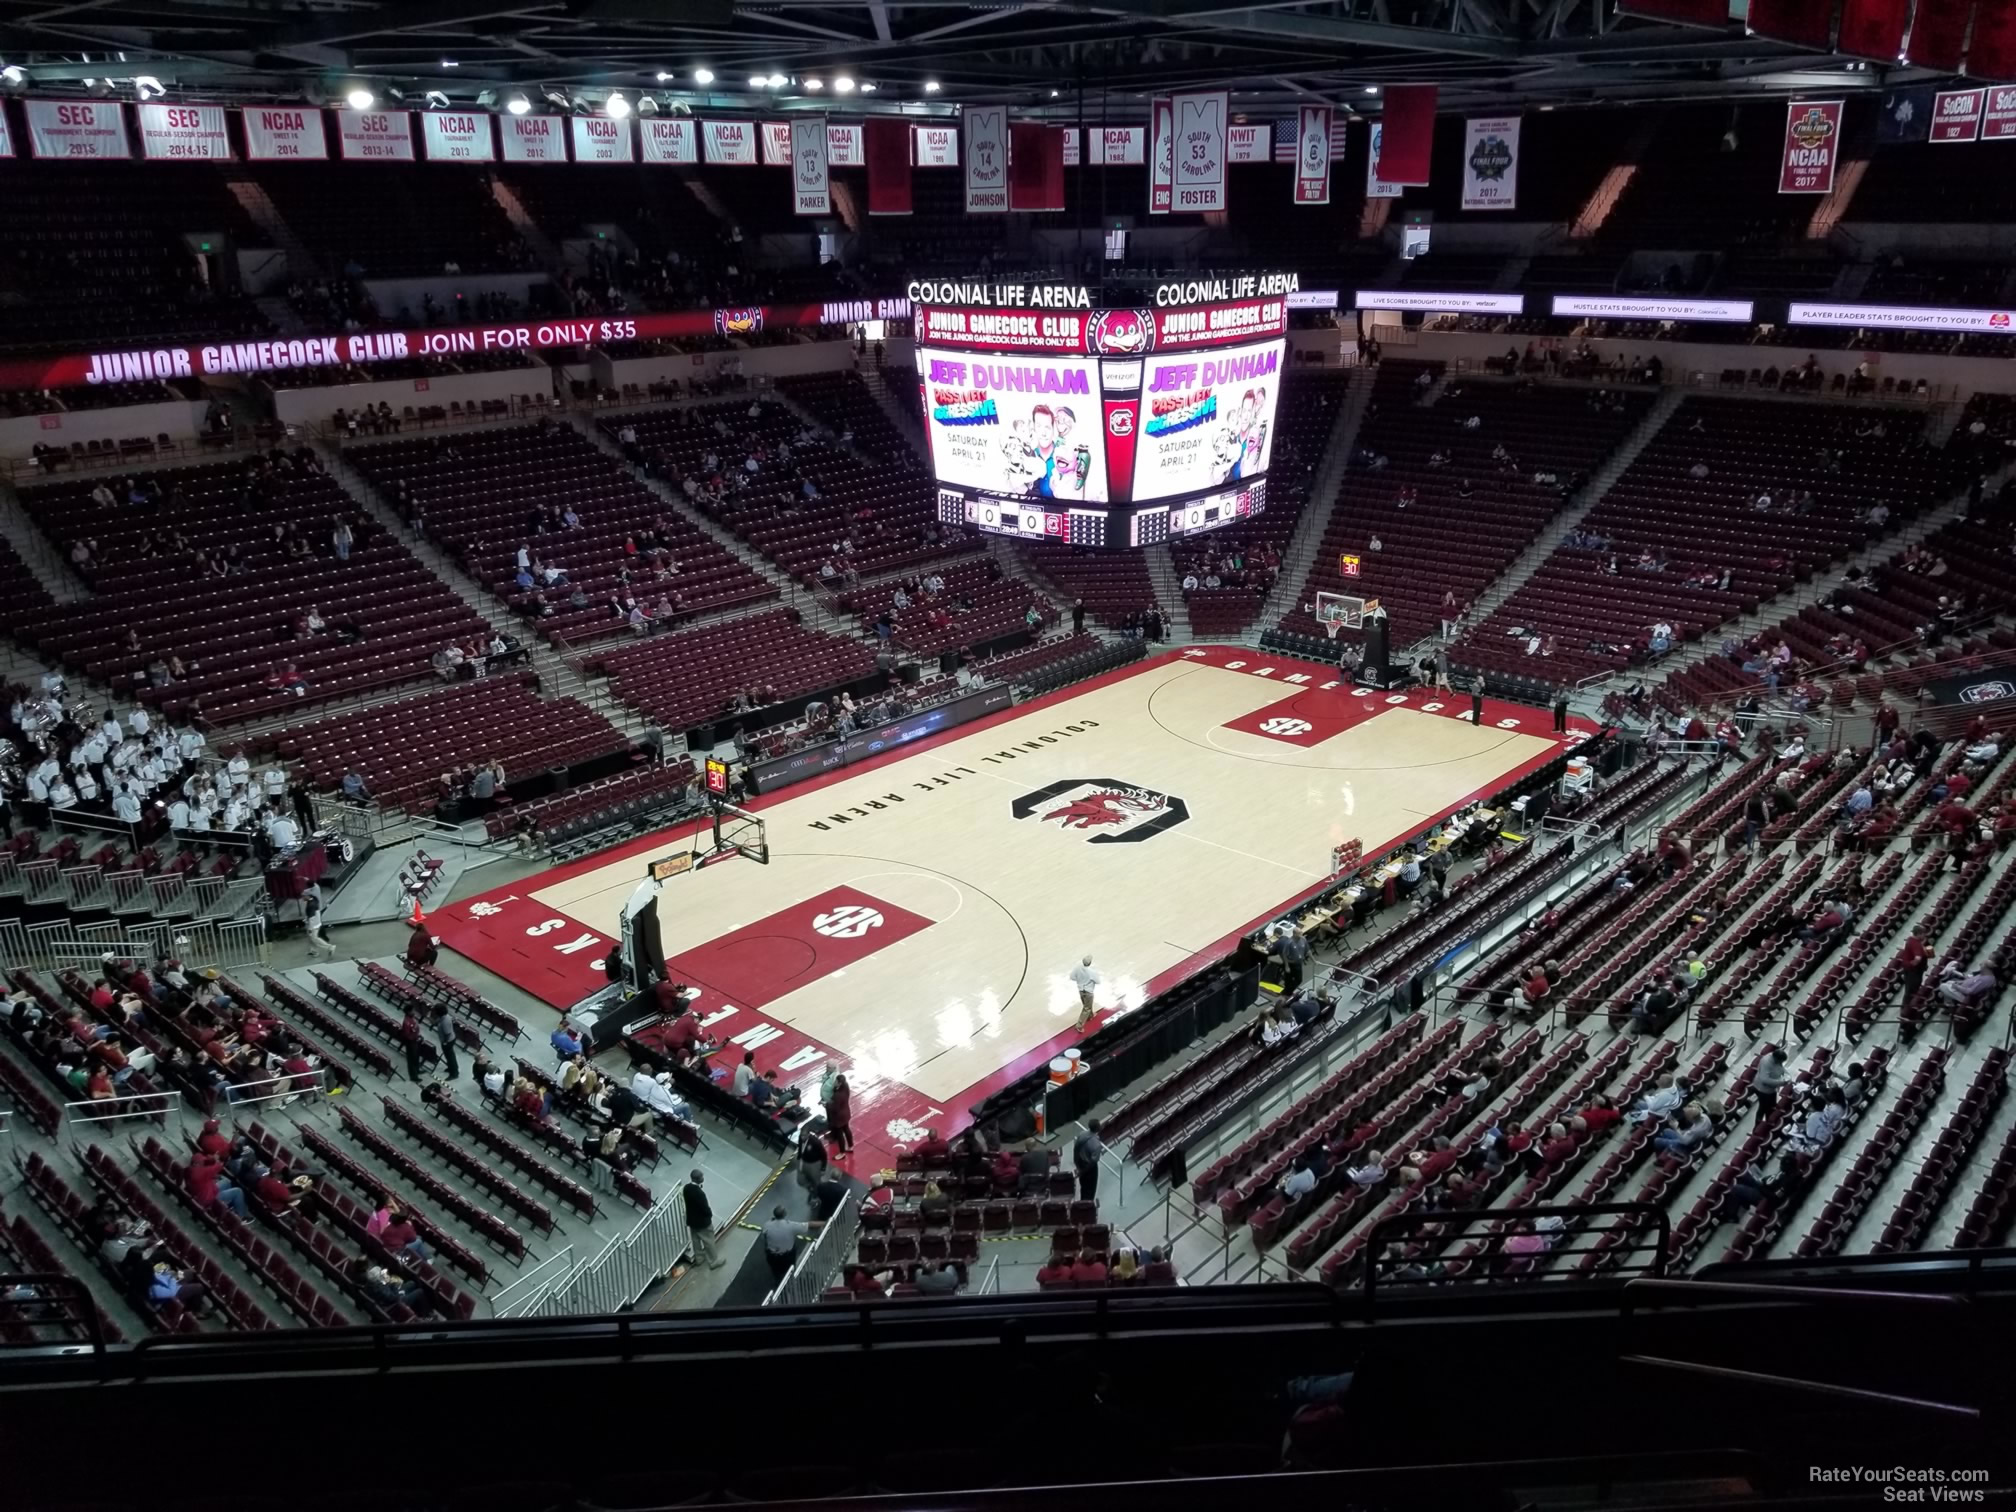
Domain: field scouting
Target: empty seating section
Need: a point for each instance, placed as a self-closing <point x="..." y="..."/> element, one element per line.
<point x="92" y="256"/>
<point x="487" y="495"/>
<point x="562" y="816"/>
<point x="1434" y="540"/>
<point x="1936" y="181"/>
<point x="1114" y="584"/>
<point x="402" y="748"/>
<point x="1702" y="524"/>
<point x="21" y="592"/>
<point x="690" y="679"/>
<point x="386" y="614"/>
<point x="406" y="221"/>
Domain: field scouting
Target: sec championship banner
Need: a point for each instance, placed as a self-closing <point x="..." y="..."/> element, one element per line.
<point x="810" y="194"/>
<point x="276" y="133"/>
<point x="1199" y="160"/>
<point x="986" y="160"/>
<point x="669" y="141"/>
<point x="1812" y="143"/>
<point x="1956" y="115"/>
<point x="533" y="139"/>
<point x="1491" y="163"/>
<point x="92" y="129"/>
<point x="1161" y="156"/>
<point x="1312" y="155"/>
<point x="1375" y="186"/>
<point x="183" y="133"/>
<point x="459" y="136"/>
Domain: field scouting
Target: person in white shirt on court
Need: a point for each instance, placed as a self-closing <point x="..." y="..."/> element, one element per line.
<point x="1086" y="980"/>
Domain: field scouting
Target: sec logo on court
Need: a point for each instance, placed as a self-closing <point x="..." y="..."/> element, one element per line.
<point x="1103" y="810"/>
<point x="847" y="923"/>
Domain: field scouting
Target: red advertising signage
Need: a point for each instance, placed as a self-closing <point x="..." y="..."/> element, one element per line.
<point x="1812" y="145"/>
<point x="279" y="354"/>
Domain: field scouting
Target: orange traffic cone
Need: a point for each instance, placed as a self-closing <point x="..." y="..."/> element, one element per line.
<point x="419" y="918"/>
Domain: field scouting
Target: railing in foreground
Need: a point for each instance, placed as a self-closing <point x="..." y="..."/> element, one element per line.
<point x="63" y="944"/>
<point x="625" y="1269"/>
<point x="1428" y="1248"/>
<point x="819" y="1260"/>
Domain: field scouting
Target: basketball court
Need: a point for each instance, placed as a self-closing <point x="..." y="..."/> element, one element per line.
<point x="921" y="912"/>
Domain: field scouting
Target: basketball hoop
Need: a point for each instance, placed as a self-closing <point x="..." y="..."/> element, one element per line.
<point x="1339" y="611"/>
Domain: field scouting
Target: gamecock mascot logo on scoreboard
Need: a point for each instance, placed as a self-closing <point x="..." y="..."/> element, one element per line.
<point x="738" y="322"/>
<point x="1103" y="810"/>
<point x="1123" y="333"/>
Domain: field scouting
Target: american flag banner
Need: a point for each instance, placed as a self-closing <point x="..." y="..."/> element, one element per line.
<point x="1288" y="134"/>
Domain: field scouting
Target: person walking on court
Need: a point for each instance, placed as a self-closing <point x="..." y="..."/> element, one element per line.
<point x="780" y="1240"/>
<point x="1561" y="712"/>
<point x="1442" y="670"/>
<point x="314" y="924"/>
<point x="1477" y="699"/>
<point x="1087" y="982"/>
<point x="840" y="1117"/>
<point x="700" y="1222"/>
<point x="1085" y="1155"/>
<point x="410" y="1041"/>
<point x="444" y="1032"/>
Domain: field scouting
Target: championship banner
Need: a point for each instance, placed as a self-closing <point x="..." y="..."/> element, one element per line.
<point x="375" y="136"/>
<point x="986" y="129"/>
<point x="1956" y="115"/>
<point x="1812" y="143"/>
<point x="1199" y="160"/>
<point x="936" y="147"/>
<point x="1035" y="166"/>
<point x="1998" y="120"/>
<point x="1491" y="163"/>
<point x="843" y="145"/>
<point x="1248" y="144"/>
<point x="889" y="142"/>
<point x="1119" y="146"/>
<point x="597" y="139"/>
<point x="533" y="139"/>
<point x="183" y="133"/>
<point x="94" y="129"/>
<point x="1312" y="155"/>
<point x="1407" y="135"/>
<point x="810" y="192"/>
<point x="1161" y="156"/>
<point x="459" y="136"/>
<point x="730" y="143"/>
<point x="669" y="141"/>
<point x="1375" y="186"/>
<point x="276" y="133"/>
<point x="776" y="144"/>
<point x="1073" y="152"/>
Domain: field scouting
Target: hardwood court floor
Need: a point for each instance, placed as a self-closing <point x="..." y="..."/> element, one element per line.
<point x="921" y="914"/>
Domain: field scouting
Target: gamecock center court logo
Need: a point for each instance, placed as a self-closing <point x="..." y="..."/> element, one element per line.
<point x="1102" y="810"/>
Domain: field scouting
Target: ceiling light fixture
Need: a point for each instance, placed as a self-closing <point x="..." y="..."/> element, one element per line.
<point x="930" y="86"/>
<point x="867" y="86"/>
<point x="450" y="63"/>
<point x="1371" y="89"/>
<point x="361" y="98"/>
<point x="700" y="76"/>
<point x="778" y="81"/>
<point x="518" y="105"/>
<point x="757" y="81"/>
<point x="147" y="87"/>
<point x="436" y="100"/>
<point x="616" y="107"/>
<point x="843" y="85"/>
<point x="14" y="75"/>
<point x="1053" y="94"/>
<point x="556" y="99"/>
<point x="647" y="105"/>
<point x="815" y="84"/>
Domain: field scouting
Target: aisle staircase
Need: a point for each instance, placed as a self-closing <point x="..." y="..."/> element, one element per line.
<point x="1300" y="554"/>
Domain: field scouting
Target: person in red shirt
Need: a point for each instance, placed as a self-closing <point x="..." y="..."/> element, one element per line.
<point x="98" y="1085"/>
<point x="1959" y="785"/>
<point x="420" y="947"/>
<point x="1911" y="963"/>
<point x="400" y="1237"/>
<point x="1561" y="1143"/>
<point x="1055" y="1272"/>
<point x="296" y="1066"/>
<point x="863" y="1282"/>
<point x="1600" y="1115"/>
<point x="207" y="1186"/>
<point x="1439" y="1158"/>
<point x="1090" y="1270"/>
<point x="211" y="1142"/>
<point x="1954" y="816"/>
<point x="1515" y="1138"/>
<point x="684" y="1038"/>
<point x="101" y="995"/>
<point x="1536" y="987"/>
<point x="1007" y="1171"/>
<point x="273" y="1193"/>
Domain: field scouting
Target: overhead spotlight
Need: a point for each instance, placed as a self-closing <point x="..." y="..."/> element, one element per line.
<point x="930" y="86"/>
<point x="583" y="105"/>
<point x="14" y="75"/>
<point x="487" y="98"/>
<point x="815" y="85"/>
<point x="557" y="100"/>
<point x="647" y="105"/>
<point x="147" y="87"/>
<point x="99" y="87"/>
<point x="778" y="81"/>
<point x="1371" y="89"/>
<point x="867" y="86"/>
<point x="615" y="107"/>
<point x="757" y="81"/>
<point x="1053" y="94"/>
<point x="843" y="85"/>
<point x="678" y="108"/>
<point x="701" y="76"/>
<point x="360" y="98"/>
<point x="437" y="99"/>
<point x="664" y="77"/>
<point x="518" y="104"/>
<point x="450" y="63"/>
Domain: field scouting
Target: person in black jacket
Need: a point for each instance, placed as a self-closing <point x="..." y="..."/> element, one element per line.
<point x="700" y="1222"/>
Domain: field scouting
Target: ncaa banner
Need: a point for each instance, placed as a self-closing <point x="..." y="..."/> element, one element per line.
<point x="1956" y="115"/>
<point x="597" y="139"/>
<point x="458" y="136"/>
<point x="1491" y="163"/>
<point x="1161" y="155"/>
<point x="1312" y="155"/>
<point x="533" y="139"/>
<point x="843" y="146"/>
<point x="937" y="146"/>
<point x="986" y="160"/>
<point x="77" y="129"/>
<point x="1812" y="143"/>
<point x="1249" y="144"/>
<point x="1375" y="186"/>
<point x="1199" y="158"/>
<point x="776" y="144"/>
<point x="673" y="141"/>
<point x="810" y="194"/>
<point x="183" y="133"/>
<point x="731" y="144"/>
<point x="276" y="134"/>
<point x="1119" y="146"/>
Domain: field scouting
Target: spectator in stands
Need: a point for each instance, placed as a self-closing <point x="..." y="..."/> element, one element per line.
<point x="700" y="1220"/>
<point x="1688" y="1130"/>
<point x="207" y="1186"/>
<point x="172" y="1285"/>
<point x="422" y="949"/>
<point x="412" y="1041"/>
<point x="1086" y="1153"/>
<point x="1753" y="1186"/>
<point x="1966" y="990"/>
<point x="1089" y="1269"/>
<point x="1816" y="1131"/>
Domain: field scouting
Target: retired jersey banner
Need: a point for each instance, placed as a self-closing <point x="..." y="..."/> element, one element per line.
<point x="375" y="136"/>
<point x="184" y="133"/>
<point x="1248" y="144"/>
<point x="91" y="129"/>
<point x="776" y="144"/>
<point x="673" y="141"/>
<point x="533" y="139"/>
<point x="1956" y="115"/>
<point x="843" y="145"/>
<point x="1375" y="186"/>
<point x="730" y="144"/>
<point x="936" y="147"/>
<point x="1161" y="156"/>
<point x="986" y="129"/>
<point x="1312" y="155"/>
<point x="810" y="192"/>
<point x="1119" y="146"/>
<point x="1812" y="144"/>
<point x="1998" y="119"/>
<point x="1199" y="160"/>
<point x="1491" y="163"/>
<point x="277" y="133"/>
<point x="459" y="136"/>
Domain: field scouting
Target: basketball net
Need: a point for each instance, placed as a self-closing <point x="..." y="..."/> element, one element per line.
<point x="1331" y="626"/>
